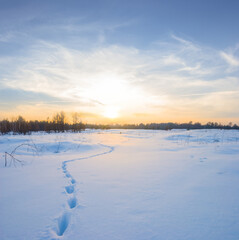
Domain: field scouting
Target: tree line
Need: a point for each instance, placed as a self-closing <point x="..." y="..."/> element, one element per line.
<point x="165" y="126"/>
<point x="59" y="124"/>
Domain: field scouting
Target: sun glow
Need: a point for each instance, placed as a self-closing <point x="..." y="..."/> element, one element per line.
<point x="108" y="88"/>
<point x="113" y="93"/>
<point x="111" y="112"/>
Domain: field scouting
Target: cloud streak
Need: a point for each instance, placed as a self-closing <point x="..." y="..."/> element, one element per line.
<point x="230" y="59"/>
<point x="175" y="76"/>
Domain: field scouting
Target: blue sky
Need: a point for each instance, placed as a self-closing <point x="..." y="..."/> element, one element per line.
<point x="138" y="60"/>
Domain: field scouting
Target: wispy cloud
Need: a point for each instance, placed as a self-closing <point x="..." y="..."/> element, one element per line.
<point x="6" y="37"/>
<point x="186" y="43"/>
<point x="176" y="76"/>
<point x="230" y="59"/>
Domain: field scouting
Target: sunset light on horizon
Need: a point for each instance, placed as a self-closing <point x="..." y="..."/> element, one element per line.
<point x="125" y="62"/>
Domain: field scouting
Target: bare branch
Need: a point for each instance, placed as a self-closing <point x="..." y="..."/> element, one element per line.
<point x="12" y="157"/>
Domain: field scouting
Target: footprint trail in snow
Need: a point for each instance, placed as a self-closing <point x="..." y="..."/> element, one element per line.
<point x="72" y="202"/>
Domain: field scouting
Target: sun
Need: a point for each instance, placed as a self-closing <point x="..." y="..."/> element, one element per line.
<point x="111" y="112"/>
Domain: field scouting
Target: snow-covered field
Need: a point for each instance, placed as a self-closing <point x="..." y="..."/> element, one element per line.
<point x="121" y="185"/>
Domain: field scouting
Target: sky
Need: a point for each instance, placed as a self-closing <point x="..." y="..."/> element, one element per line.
<point x="120" y="61"/>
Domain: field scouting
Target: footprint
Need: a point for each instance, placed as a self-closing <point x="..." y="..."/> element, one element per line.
<point x="68" y="175"/>
<point x="72" y="202"/>
<point x="63" y="223"/>
<point x="64" y="166"/>
<point x="64" y="219"/>
<point x="69" y="189"/>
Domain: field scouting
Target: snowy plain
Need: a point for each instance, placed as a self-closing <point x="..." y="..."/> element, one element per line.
<point x="121" y="185"/>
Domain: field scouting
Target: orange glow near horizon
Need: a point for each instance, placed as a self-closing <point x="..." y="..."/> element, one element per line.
<point x="112" y="115"/>
<point x="111" y="112"/>
<point x="122" y="85"/>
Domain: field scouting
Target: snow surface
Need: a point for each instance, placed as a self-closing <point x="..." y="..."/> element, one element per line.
<point x="121" y="185"/>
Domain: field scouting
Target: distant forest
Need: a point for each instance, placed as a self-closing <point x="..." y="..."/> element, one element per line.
<point x="59" y="124"/>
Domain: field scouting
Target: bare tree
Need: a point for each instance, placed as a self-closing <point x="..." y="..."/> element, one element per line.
<point x="76" y="122"/>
